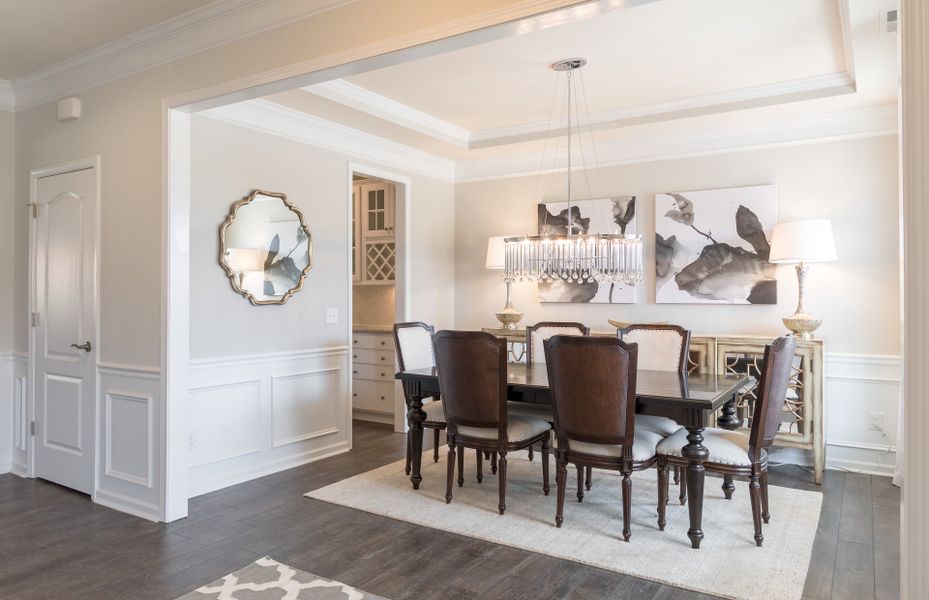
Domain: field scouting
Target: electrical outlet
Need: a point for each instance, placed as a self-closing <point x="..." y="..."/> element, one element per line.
<point x="192" y="440"/>
<point x="877" y="421"/>
<point x="332" y="315"/>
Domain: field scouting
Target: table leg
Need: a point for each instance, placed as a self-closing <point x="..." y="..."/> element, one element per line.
<point x="728" y="420"/>
<point x="695" y="453"/>
<point x="415" y="417"/>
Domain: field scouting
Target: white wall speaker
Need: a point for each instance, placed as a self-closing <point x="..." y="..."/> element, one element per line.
<point x="69" y="109"/>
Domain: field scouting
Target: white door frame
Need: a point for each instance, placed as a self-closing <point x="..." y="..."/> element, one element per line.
<point x="403" y="238"/>
<point x="92" y="162"/>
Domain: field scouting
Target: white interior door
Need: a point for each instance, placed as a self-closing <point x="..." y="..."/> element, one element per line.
<point x="64" y="347"/>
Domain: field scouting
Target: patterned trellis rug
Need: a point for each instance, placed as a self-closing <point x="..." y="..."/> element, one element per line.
<point x="728" y="565"/>
<point x="267" y="579"/>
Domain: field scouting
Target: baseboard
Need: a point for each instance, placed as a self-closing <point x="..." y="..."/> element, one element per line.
<point x="842" y="456"/>
<point x="268" y="468"/>
<point x="18" y="469"/>
<point x="374" y="417"/>
<point x="125" y="504"/>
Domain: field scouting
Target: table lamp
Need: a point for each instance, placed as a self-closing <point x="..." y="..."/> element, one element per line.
<point x="799" y="243"/>
<point x="508" y="316"/>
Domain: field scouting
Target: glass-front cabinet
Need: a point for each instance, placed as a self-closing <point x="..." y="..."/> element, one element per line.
<point x="373" y="242"/>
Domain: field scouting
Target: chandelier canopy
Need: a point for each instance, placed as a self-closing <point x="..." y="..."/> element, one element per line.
<point x="574" y="257"/>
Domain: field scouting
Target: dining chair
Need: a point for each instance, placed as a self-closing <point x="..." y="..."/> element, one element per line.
<point x="473" y="380"/>
<point x="593" y="389"/>
<point x="538" y="333"/>
<point x="733" y="452"/>
<point x="413" y="341"/>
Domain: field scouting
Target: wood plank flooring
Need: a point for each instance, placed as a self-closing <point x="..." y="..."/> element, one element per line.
<point x="55" y="543"/>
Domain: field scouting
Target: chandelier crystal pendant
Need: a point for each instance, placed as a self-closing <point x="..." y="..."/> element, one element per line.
<point x="574" y="257"/>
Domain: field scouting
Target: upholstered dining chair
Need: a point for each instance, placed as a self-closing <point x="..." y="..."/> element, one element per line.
<point x="733" y="452"/>
<point x="413" y="341"/>
<point x="473" y="380"/>
<point x="592" y="381"/>
<point x="538" y="333"/>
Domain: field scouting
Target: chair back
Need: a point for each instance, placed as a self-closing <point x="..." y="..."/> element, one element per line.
<point x="472" y="379"/>
<point x="414" y="345"/>
<point x="592" y="383"/>
<point x="662" y="347"/>
<point x="538" y="333"/>
<point x="772" y="391"/>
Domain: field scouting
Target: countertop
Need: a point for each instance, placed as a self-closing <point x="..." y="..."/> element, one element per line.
<point x="372" y="328"/>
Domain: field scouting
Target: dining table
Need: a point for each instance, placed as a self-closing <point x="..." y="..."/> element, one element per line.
<point x="689" y="399"/>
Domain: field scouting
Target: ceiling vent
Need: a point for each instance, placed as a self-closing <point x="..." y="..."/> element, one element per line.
<point x="889" y="21"/>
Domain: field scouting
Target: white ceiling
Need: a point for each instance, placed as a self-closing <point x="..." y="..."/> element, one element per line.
<point x="35" y="34"/>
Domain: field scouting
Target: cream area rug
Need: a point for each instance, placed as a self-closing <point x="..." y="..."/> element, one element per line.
<point x="728" y="564"/>
<point x="267" y="579"/>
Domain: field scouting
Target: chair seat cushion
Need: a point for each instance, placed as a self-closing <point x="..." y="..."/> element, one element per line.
<point x="660" y="425"/>
<point x="434" y="412"/>
<point x="642" y="449"/>
<point x="528" y="409"/>
<point x="519" y="428"/>
<point x="725" y="447"/>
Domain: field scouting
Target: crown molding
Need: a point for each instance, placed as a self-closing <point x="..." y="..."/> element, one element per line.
<point x="200" y="29"/>
<point x="7" y="100"/>
<point x="268" y="117"/>
<point x="718" y="139"/>
<point x="357" y="97"/>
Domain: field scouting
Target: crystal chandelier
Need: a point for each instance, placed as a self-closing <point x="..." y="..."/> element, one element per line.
<point x="574" y="258"/>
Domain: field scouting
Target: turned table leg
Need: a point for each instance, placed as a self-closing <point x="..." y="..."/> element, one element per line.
<point x="415" y="417"/>
<point x="695" y="453"/>
<point x="728" y="420"/>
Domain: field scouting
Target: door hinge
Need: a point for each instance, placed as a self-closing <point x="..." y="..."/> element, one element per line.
<point x="32" y="428"/>
<point x="35" y="210"/>
<point x="35" y="319"/>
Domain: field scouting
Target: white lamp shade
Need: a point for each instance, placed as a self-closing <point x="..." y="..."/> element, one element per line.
<point x="495" y="252"/>
<point x="807" y="241"/>
<point x="246" y="259"/>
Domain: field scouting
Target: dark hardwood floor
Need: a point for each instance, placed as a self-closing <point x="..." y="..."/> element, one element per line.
<point x="54" y="543"/>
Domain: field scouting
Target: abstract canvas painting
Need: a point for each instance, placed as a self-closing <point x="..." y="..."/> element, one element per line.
<point x="604" y="215"/>
<point x="712" y="246"/>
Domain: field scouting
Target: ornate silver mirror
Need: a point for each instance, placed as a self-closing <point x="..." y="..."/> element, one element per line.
<point x="265" y="248"/>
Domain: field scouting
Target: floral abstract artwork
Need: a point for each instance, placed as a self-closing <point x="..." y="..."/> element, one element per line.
<point x="712" y="246"/>
<point x="604" y="215"/>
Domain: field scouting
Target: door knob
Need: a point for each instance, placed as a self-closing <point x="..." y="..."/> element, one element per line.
<point x="86" y="347"/>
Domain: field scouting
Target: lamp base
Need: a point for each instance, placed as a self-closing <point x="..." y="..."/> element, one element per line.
<point x="509" y="317"/>
<point x="802" y="324"/>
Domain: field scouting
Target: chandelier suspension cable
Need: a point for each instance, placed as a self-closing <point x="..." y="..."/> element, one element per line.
<point x="580" y="135"/>
<point x="590" y="130"/>
<point x="548" y="126"/>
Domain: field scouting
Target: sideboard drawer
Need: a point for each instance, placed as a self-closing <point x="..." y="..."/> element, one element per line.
<point x="373" y="372"/>
<point x="373" y="357"/>
<point x="373" y="341"/>
<point x="375" y="396"/>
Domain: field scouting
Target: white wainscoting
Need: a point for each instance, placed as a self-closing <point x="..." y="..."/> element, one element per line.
<point x="258" y="414"/>
<point x="129" y="441"/>
<point x="14" y="412"/>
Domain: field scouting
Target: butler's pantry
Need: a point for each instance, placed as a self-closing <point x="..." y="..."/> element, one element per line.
<point x="374" y="251"/>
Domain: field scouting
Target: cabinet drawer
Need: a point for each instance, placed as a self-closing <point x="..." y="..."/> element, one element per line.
<point x="373" y="372"/>
<point x="373" y="395"/>
<point x="373" y="341"/>
<point x="373" y="357"/>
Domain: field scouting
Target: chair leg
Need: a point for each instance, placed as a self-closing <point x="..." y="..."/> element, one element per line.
<point x="580" y="483"/>
<point x="755" y="491"/>
<point x="561" y="482"/>
<point x="683" y="495"/>
<point x="409" y="458"/>
<point x="435" y="446"/>
<point x="677" y="475"/>
<point x="662" y="494"/>
<point x="461" y="454"/>
<point x="728" y="486"/>
<point x="589" y="480"/>
<point x="765" y="515"/>
<point x="451" y="470"/>
<point x="545" y="452"/>
<point x="627" y="504"/>
<point x="493" y="462"/>
<point x="531" y="454"/>
<point x="501" y="464"/>
<point x="480" y="466"/>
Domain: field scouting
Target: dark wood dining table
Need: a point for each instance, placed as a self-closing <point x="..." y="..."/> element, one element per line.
<point x="690" y="400"/>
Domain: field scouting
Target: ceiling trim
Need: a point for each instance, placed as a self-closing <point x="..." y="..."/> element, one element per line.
<point x="7" y="99"/>
<point x="806" y="129"/>
<point x="357" y="97"/>
<point x="192" y="32"/>
<point x="848" y="47"/>
<point x="268" y="117"/>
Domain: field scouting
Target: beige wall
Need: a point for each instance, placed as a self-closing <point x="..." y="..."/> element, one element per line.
<point x="122" y="123"/>
<point x="227" y="162"/>
<point x="373" y="305"/>
<point x="7" y="201"/>
<point x="854" y="183"/>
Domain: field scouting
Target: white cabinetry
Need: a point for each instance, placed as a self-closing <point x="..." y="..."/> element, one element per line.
<point x="373" y="376"/>
<point x="373" y="243"/>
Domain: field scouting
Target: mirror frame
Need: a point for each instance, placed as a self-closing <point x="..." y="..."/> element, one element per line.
<point x="230" y="219"/>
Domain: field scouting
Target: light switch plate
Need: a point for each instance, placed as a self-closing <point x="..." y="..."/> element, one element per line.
<point x="332" y="315"/>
